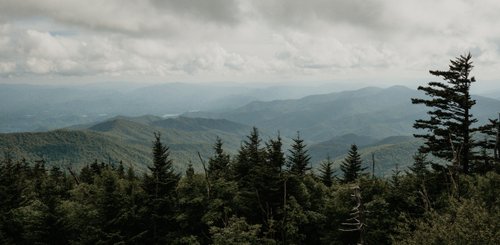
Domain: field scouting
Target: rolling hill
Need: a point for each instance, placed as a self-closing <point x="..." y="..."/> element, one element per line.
<point x="373" y="112"/>
<point x="126" y="139"/>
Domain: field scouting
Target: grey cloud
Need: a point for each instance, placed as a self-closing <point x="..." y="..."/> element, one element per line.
<point x="296" y="13"/>
<point x="219" y="11"/>
<point x="152" y="17"/>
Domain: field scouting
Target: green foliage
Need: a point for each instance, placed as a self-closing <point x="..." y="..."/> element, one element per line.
<point x="298" y="160"/>
<point x="351" y="166"/>
<point x="218" y="165"/>
<point x="326" y="172"/>
<point x="449" y="127"/>
<point x="463" y="222"/>
<point x="237" y="232"/>
<point x="257" y="202"/>
<point x="160" y="188"/>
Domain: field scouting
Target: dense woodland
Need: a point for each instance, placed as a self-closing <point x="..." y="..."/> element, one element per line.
<point x="264" y="195"/>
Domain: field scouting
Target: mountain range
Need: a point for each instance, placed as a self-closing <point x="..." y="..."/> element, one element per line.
<point x="371" y="111"/>
<point x="378" y="120"/>
<point x="47" y="107"/>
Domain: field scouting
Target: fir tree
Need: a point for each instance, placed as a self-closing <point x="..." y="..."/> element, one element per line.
<point x="160" y="187"/>
<point x="218" y="165"/>
<point x="248" y="174"/>
<point x="489" y="154"/>
<point x="449" y="127"/>
<point x="250" y="155"/>
<point x="326" y="172"/>
<point x="298" y="160"/>
<point x="351" y="166"/>
<point x="420" y="165"/>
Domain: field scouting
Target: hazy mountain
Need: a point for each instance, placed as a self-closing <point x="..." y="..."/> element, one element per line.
<point x="41" y="108"/>
<point x="371" y="111"/>
<point x="494" y="94"/>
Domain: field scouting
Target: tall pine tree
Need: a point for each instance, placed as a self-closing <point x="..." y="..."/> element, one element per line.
<point x="160" y="186"/>
<point x="351" y="166"/>
<point x="298" y="160"/>
<point x="218" y="164"/>
<point x="449" y="128"/>
<point x="326" y="172"/>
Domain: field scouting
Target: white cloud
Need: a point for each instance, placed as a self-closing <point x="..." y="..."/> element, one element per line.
<point x="246" y="40"/>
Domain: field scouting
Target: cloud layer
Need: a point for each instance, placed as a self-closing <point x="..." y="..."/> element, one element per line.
<point x="245" y="40"/>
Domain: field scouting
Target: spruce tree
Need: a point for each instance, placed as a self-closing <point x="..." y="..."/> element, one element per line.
<point x="251" y="154"/>
<point x="218" y="165"/>
<point x="248" y="174"/>
<point x="420" y="165"/>
<point x="489" y="156"/>
<point x="160" y="186"/>
<point x="271" y="186"/>
<point x="351" y="166"/>
<point x="326" y="172"/>
<point x="449" y="127"/>
<point x="298" y="160"/>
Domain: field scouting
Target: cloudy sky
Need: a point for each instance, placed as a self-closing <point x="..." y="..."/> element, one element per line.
<point x="245" y="41"/>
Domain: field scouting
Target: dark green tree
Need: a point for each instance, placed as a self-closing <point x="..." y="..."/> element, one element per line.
<point x="247" y="173"/>
<point x="298" y="160"/>
<point x="160" y="186"/>
<point x="218" y="164"/>
<point x="489" y="151"/>
<point x="352" y="165"/>
<point x="449" y="126"/>
<point x="192" y="207"/>
<point x="326" y="171"/>
<point x="420" y="165"/>
<point x="271" y="186"/>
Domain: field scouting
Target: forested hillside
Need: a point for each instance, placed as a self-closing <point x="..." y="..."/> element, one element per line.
<point x="261" y="195"/>
<point x="128" y="139"/>
<point x="125" y="139"/>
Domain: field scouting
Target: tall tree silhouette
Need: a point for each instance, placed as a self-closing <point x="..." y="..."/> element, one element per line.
<point x="326" y="172"/>
<point x="298" y="160"/>
<point x="160" y="187"/>
<point x="449" y="126"/>
<point x="351" y="166"/>
<point x="218" y="164"/>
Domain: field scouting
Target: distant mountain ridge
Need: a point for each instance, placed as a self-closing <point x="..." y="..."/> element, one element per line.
<point x="46" y="107"/>
<point x="371" y="111"/>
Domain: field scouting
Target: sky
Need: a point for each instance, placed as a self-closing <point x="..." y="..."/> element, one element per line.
<point x="246" y="41"/>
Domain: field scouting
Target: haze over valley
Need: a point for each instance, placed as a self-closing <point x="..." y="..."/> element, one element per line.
<point x="78" y="125"/>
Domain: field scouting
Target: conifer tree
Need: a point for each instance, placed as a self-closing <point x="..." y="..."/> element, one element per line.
<point x="248" y="174"/>
<point x="218" y="165"/>
<point x="420" y="165"/>
<point x="449" y="128"/>
<point x="271" y="186"/>
<point x="160" y="187"/>
<point x="326" y="172"/>
<point x="298" y="160"/>
<point x="489" y="147"/>
<point x="251" y="154"/>
<point x="351" y="166"/>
